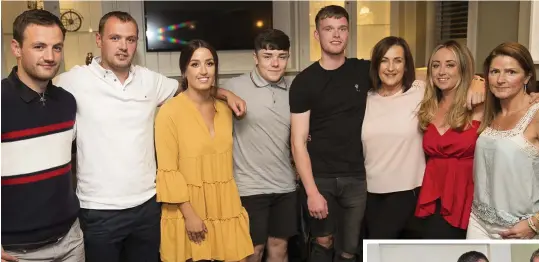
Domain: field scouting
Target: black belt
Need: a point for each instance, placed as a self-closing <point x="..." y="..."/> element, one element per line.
<point x="32" y="246"/>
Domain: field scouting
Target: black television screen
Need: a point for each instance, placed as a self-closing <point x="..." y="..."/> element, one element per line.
<point x="225" y="25"/>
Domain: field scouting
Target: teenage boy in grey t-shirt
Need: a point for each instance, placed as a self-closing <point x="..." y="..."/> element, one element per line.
<point x="262" y="162"/>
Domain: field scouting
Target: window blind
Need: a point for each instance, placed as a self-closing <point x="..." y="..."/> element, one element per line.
<point x="451" y="20"/>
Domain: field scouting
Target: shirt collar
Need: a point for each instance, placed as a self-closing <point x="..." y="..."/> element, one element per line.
<point x="96" y="65"/>
<point x="259" y="81"/>
<point x="26" y="93"/>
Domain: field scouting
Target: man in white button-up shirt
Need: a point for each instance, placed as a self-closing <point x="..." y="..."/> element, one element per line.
<point x="116" y="167"/>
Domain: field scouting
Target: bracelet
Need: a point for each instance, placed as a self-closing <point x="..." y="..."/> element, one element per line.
<point x="532" y="225"/>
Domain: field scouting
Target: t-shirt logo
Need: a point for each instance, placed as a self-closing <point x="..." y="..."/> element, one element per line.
<point x="357" y="87"/>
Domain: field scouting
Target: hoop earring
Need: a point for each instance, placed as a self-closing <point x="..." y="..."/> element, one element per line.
<point x="526" y="88"/>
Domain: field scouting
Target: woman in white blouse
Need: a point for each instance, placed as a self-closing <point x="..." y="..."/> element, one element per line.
<point x="506" y="161"/>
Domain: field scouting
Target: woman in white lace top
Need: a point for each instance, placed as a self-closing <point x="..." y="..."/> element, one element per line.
<point x="506" y="161"/>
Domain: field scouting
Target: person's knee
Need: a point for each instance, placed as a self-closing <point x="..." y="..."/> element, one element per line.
<point x="257" y="254"/>
<point x="326" y="242"/>
<point x="277" y="248"/>
<point x="346" y="257"/>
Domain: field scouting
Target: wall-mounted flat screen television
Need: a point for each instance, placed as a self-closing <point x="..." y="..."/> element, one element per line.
<point x="226" y="25"/>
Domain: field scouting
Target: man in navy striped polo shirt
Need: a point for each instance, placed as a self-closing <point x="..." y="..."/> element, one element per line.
<point x="39" y="205"/>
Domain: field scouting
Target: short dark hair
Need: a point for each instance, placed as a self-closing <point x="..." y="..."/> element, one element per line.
<point x="122" y="16"/>
<point x="378" y="52"/>
<point x="331" y="11"/>
<point x="535" y="254"/>
<point x="187" y="53"/>
<point x="272" y="39"/>
<point x="35" y="17"/>
<point x="472" y="256"/>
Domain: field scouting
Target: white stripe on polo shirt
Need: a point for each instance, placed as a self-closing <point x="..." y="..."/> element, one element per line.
<point x="115" y="133"/>
<point x="36" y="154"/>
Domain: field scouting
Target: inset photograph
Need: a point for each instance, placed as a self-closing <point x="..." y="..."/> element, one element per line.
<point x="455" y="251"/>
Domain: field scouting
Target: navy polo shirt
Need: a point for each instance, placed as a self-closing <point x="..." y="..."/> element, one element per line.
<point x="39" y="204"/>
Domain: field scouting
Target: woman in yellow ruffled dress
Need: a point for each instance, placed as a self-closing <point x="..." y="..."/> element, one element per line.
<point x="202" y="216"/>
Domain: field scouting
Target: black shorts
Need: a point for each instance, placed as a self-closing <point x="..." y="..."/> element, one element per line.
<point x="271" y="215"/>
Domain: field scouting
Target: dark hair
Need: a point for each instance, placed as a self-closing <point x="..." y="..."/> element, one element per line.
<point x="472" y="256"/>
<point x="521" y="54"/>
<point x="34" y="17"/>
<point x="331" y="11"/>
<point x="378" y="52"/>
<point x="535" y="254"/>
<point x="272" y="39"/>
<point x="122" y="16"/>
<point x="186" y="55"/>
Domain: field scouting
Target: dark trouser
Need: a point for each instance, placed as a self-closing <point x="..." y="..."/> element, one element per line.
<point x="436" y="227"/>
<point x="131" y="235"/>
<point x="391" y="215"/>
<point x="346" y="200"/>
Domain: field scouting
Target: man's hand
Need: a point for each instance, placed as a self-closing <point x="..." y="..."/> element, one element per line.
<point x="476" y="93"/>
<point x="7" y="257"/>
<point x="236" y="104"/>
<point x="318" y="207"/>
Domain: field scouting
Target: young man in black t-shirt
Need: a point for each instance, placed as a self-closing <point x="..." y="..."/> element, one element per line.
<point x="327" y="104"/>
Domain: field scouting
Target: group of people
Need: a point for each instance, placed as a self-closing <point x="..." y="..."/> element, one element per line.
<point x="187" y="171"/>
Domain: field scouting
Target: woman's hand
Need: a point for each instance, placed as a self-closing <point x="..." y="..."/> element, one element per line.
<point x="534" y="98"/>
<point x="519" y="231"/>
<point x="196" y="229"/>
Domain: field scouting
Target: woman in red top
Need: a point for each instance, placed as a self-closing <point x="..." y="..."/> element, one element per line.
<point x="450" y="132"/>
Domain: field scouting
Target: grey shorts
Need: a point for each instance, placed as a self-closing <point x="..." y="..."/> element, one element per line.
<point x="69" y="248"/>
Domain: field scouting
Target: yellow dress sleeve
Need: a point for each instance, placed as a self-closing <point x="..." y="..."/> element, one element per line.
<point x="171" y="185"/>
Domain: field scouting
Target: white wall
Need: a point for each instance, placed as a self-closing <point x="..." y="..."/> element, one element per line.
<point x="522" y="252"/>
<point x="434" y="252"/>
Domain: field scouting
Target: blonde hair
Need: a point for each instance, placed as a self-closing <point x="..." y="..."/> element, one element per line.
<point x="524" y="59"/>
<point x="458" y="116"/>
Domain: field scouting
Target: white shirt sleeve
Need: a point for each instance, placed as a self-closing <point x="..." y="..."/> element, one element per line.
<point x="166" y="87"/>
<point x="63" y="80"/>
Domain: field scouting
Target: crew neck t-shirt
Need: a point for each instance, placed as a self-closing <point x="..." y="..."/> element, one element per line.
<point x="336" y="100"/>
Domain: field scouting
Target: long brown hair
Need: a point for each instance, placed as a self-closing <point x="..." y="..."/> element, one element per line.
<point x="458" y="116"/>
<point x="521" y="54"/>
<point x="378" y="52"/>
